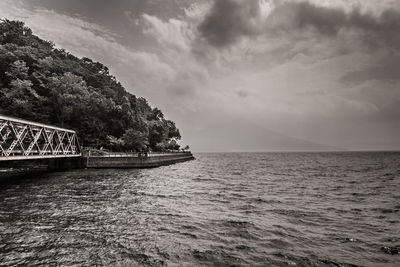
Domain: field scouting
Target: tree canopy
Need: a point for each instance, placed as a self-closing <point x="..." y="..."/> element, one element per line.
<point x="41" y="83"/>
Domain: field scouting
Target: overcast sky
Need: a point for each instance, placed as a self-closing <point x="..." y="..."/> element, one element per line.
<point x="244" y="75"/>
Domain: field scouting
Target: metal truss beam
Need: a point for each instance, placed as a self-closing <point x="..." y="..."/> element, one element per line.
<point x="21" y="139"/>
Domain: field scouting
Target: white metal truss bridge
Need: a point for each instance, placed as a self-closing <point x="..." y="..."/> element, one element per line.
<point x="24" y="140"/>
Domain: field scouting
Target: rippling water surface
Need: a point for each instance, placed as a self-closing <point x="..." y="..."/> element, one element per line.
<point x="278" y="209"/>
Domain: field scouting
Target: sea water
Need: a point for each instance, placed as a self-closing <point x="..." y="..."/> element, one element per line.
<point x="223" y="209"/>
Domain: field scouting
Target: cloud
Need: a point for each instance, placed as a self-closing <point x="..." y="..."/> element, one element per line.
<point x="174" y="32"/>
<point x="384" y="67"/>
<point x="283" y="68"/>
<point x="175" y="39"/>
<point x="230" y="20"/>
<point x="330" y="21"/>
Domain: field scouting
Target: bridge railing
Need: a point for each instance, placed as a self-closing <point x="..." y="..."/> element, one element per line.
<point x="21" y="139"/>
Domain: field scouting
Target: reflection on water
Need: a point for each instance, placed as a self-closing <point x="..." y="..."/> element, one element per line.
<point x="305" y="209"/>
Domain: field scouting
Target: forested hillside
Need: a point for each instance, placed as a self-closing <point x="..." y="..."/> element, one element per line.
<point x="41" y="83"/>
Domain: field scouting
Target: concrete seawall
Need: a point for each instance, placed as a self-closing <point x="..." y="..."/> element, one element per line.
<point x="135" y="162"/>
<point x="25" y="167"/>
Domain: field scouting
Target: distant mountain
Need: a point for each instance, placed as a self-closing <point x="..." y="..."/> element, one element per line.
<point x="41" y="83"/>
<point x="248" y="137"/>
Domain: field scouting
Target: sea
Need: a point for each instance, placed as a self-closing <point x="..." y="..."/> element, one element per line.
<point x="222" y="209"/>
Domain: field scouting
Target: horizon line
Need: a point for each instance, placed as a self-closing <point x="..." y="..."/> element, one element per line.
<point x="302" y="151"/>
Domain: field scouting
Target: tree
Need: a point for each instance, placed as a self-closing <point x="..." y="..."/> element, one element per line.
<point x="135" y="140"/>
<point x="173" y="145"/>
<point x="115" y="144"/>
<point x="69" y="97"/>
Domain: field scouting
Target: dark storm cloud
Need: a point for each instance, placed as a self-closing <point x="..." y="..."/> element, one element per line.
<point x="229" y="20"/>
<point x="329" y="21"/>
<point x="297" y="15"/>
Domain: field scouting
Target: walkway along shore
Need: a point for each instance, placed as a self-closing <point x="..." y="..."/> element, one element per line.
<point x="134" y="160"/>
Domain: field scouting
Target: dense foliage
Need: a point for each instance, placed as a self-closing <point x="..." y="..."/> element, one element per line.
<point x="41" y="83"/>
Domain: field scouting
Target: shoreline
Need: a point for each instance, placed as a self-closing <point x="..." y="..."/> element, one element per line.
<point x="28" y="167"/>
